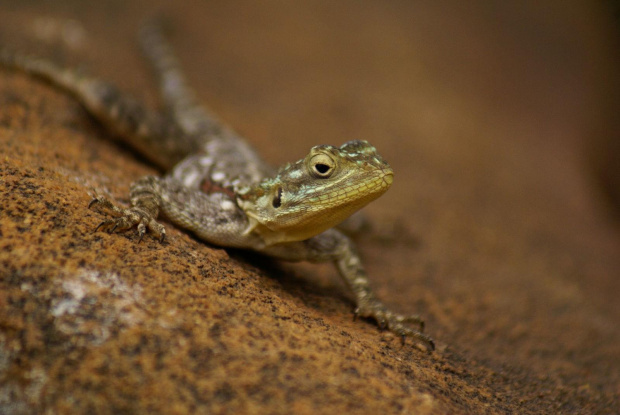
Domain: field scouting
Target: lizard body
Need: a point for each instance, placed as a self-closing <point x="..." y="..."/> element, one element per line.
<point x="219" y="188"/>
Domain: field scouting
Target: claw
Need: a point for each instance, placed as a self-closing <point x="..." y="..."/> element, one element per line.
<point x="162" y="238"/>
<point x="100" y="225"/>
<point x="422" y="338"/>
<point x="141" y="231"/>
<point x="92" y="202"/>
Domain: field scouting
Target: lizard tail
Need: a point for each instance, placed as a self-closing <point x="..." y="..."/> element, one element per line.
<point x="147" y="131"/>
<point x="193" y="118"/>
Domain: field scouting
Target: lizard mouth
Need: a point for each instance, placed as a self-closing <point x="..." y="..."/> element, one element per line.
<point x="388" y="178"/>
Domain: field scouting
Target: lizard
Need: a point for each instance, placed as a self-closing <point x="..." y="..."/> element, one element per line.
<point x="217" y="186"/>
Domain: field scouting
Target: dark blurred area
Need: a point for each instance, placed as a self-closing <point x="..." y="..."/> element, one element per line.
<point x="607" y="160"/>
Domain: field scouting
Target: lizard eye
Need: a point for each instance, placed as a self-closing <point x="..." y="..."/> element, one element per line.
<point x="322" y="166"/>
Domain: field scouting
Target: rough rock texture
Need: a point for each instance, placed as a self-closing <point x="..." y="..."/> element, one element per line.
<point x="495" y="230"/>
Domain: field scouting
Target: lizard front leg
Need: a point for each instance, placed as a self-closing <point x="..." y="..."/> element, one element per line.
<point x="353" y="273"/>
<point x="334" y="246"/>
<point x="145" y="204"/>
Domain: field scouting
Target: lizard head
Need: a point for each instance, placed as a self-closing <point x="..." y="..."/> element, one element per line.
<point x="315" y="193"/>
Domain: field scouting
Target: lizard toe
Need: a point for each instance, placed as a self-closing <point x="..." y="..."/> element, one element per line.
<point x="127" y="219"/>
<point x="405" y="332"/>
<point x="396" y="323"/>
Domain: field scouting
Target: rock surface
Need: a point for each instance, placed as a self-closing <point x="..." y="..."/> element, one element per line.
<point x="495" y="230"/>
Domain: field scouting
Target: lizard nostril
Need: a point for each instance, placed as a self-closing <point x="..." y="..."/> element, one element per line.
<point x="277" y="199"/>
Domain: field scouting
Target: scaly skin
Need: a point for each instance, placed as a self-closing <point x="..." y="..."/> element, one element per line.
<point x="220" y="189"/>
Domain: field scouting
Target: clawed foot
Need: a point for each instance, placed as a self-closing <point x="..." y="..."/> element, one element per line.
<point x="126" y="219"/>
<point x="396" y="323"/>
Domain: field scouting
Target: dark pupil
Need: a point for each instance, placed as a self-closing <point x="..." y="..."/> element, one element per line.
<point x="322" y="168"/>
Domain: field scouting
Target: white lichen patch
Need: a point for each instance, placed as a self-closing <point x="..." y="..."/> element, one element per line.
<point x="92" y="303"/>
